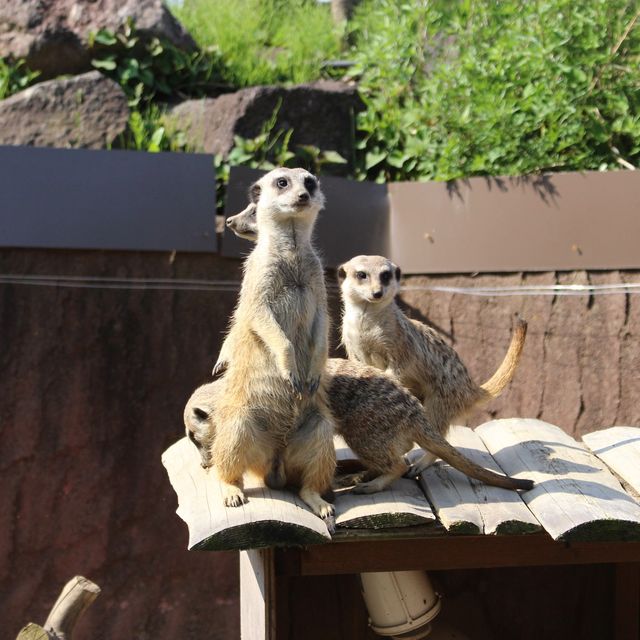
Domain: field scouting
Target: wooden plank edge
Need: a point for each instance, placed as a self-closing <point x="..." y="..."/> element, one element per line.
<point x="261" y="534"/>
<point x="384" y="521"/>
<point x="604" y="530"/>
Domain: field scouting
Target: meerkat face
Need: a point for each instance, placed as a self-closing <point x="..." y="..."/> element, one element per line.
<point x="287" y="193"/>
<point x="369" y="280"/>
<point x="244" y="224"/>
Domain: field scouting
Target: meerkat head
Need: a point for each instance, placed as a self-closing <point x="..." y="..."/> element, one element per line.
<point x="199" y="420"/>
<point x="244" y="224"/>
<point x="371" y="280"/>
<point x="286" y="194"/>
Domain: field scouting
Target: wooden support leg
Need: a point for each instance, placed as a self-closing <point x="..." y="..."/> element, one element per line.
<point x="257" y="595"/>
<point x="627" y="602"/>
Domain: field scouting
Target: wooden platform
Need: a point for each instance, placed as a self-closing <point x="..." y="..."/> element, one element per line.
<point x="577" y="496"/>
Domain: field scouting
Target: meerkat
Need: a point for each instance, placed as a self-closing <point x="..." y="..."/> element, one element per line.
<point x="273" y="411"/>
<point x="375" y="331"/>
<point x="360" y="397"/>
<point x="378" y="418"/>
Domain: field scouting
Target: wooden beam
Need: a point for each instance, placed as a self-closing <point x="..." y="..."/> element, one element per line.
<point x="451" y="552"/>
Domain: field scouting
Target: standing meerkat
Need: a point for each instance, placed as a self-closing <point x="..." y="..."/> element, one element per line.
<point x="378" y="418"/>
<point x="273" y="406"/>
<point x="376" y="332"/>
<point x="363" y="402"/>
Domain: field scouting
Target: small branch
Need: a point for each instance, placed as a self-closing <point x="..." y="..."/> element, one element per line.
<point x="72" y="602"/>
<point x="625" y="164"/>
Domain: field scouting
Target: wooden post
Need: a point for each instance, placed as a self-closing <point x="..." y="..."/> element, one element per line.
<point x="72" y="602"/>
<point x="257" y="595"/>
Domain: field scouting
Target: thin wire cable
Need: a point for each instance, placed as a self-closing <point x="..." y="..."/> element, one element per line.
<point x="189" y="284"/>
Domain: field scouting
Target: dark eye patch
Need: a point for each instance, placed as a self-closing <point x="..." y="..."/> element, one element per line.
<point x="310" y="185"/>
<point x="385" y="277"/>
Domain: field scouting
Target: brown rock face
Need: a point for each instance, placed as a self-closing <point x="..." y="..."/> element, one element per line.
<point x="320" y="114"/>
<point x="52" y="35"/>
<point x="87" y="111"/>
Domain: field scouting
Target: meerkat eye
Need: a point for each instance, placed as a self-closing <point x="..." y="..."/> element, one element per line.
<point x="385" y="277"/>
<point x="282" y="183"/>
<point x="361" y="275"/>
<point x="310" y="185"/>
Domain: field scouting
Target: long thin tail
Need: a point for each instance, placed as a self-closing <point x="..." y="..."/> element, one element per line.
<point x="445" y="450"/>
<point x="499" y="380"/>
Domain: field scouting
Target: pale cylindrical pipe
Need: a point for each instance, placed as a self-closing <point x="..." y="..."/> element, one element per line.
<point x="400" y="603"/>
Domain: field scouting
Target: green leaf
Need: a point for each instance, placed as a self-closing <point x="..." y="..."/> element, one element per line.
<point x="334" y="157"/>
<point x="108" y="64"/>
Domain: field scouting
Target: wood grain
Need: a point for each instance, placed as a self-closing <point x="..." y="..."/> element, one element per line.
<point x="575" y="497"/>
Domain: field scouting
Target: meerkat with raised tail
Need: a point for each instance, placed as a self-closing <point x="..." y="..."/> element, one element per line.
<point x="362" y="401"/>
<point x="378" y="418"/>
<point x="273" y="407"/>
<point x="376" y="332"/>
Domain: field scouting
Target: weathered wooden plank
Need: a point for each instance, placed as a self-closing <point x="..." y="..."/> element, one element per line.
<point x="576" y="497"/>
<point x="619" y="449"/>
<point x="270" y="518"/>
<point x="465" y="506"/>
<point x="401" y="505"/>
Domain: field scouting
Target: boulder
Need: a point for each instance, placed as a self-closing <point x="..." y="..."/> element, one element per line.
<point x="52" y="35"/>
<point x="320" y="114"/>
<point x="88" y="111"/>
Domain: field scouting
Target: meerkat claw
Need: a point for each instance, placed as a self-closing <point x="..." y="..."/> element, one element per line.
<point x="219" y="368"/>
<point x="235" y="499"/>
<point x="330" y="522"/>
<point x="312" y="385"/>
<point x="296" y="385"/>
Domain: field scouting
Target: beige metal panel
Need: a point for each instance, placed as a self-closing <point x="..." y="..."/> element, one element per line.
<point x="558" y="222"/>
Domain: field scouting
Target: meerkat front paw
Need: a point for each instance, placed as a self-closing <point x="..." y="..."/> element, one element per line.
<point x="234" y="497"/>
<point x="296" y="383"/>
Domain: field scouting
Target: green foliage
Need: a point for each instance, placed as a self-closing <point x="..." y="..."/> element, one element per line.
<point x="264" y="41"/>
<point x="14" y="77"/>
<point x="478" y="87"/>
<point x="147" y="131"/>
<point x="150" y="69"/>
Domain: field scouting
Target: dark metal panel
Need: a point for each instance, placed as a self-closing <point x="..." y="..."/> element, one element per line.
<point x="87" y="199"/>
<point x="355" y="219"/>
<point x="559" y="222"/>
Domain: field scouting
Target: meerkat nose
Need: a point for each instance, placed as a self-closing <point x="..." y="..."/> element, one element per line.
<point x="303" y="197"/>
<point x="377" y="295"/>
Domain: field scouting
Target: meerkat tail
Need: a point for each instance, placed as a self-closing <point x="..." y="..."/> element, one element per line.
<point x="499" y="380"/>
<point x="459" y="461"/>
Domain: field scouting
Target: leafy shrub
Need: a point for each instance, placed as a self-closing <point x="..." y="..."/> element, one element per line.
<point x="264" y="41"/>
<point x="478" y="87"/>
<point x="14" y="77"/>
<point x="151" y="69"/>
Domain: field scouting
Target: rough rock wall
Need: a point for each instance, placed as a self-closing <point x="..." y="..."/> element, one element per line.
<point x="92" y="389"/>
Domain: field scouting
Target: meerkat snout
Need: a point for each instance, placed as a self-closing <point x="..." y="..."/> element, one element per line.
<point x="369" y="279"/>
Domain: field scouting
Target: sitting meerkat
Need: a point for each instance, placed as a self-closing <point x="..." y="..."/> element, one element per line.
<point x="378" y="418"/>
<point x="375" y="331"/>
<point x="273" y="407"/>
<point x="364" y="401"/>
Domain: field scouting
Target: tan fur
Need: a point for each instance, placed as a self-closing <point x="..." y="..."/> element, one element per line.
<point x="378" y="418"/>
<point x="376" y="332"/>
<point x="273" y="407"/>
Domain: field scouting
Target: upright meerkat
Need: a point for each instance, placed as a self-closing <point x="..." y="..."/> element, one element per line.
<point x="273" y="406"/>
<point x="378" y="418"/>
<point x="375" y="331"/>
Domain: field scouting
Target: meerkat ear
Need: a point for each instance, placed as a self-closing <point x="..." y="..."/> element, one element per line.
<point x="254" y="193"/>
<point x="342" y="274"/>
<point x="398" y="272"/>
